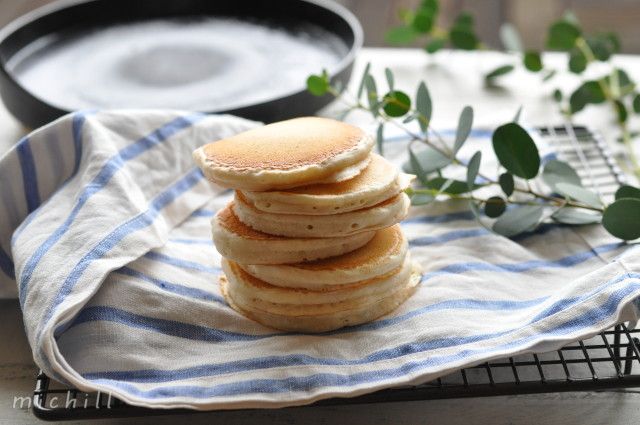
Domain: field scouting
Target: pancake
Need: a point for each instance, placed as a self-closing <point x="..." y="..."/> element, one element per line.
<point x="297" y="301"/>
<point x="382" y="215"/>
<point x="337" y="317"/>
<point x="240" y="243"/>
<point x="286" y="154"/>
<point x="378" y="182"/>
<point x="382" y="254"/>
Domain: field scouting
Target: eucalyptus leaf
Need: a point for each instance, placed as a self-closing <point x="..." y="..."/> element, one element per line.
<point x="423" y="20"/>
<point x="372" y="94"/>
<point x="549" y="75"/>
<point x="577" y="61"/>
<point x="588" y="92"/>
<point x="401" y="35"/>
<point x="454" y="187"/>
<point x="362" y="81"/>
<point x="429" y="159"/>
<point x="380" y="139"/>
<point x="621" y="218"/>
<point x="579" y="193"/>
<point x="576" y="216"/>
<point x="423" y="105"/>
<point x="636" y="103"/>
<point x="389" y="75"/>
<point x="621" y="111"/>
<point x="416" y="167"/>
<point x="318" y="85"/>
<point x="465" y="123"/>
<point x="396" y="103"/>
<point x="490" y="77"/>
<point x="600" y="47"/>
<point x="510" y="38"/>
<point x="532" y="61"/>
<point x="495" y="207"/>
<point x="516" y="150"/>
<point x="518" y="220"/>
<point x="506" y="183"/>
<point x="473" y="168"/>
<point x="557" y="95"/>
<point x="627" y="191"/>
<point x="555" y="172"/>
<point x="434" y="45"/>
<point x="562" y="35"/>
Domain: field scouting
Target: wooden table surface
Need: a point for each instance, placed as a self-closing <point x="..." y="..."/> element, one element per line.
<point x="454" y="79"/>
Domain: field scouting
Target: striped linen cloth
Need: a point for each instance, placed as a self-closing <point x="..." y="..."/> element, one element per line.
<point x="106" y="236"/>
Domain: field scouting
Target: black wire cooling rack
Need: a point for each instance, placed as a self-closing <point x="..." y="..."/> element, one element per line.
<point x="609" y="360"/>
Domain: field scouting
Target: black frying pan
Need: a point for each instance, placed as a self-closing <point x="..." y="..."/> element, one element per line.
<point x="208" y="71"/>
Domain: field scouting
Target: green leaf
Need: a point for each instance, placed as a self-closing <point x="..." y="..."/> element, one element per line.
<point x="510" y="38"/>
<point x="396" y="103"/>
<point x="627" y="191"/>
<point x="612" y="40"/>
<point x="621" y="218"/>
<point x="423" y="20"/>
<point x="588" y="92"/>
<point x="562" y="35"/>
<point x="577" y="216"/>
<point x="318" y="85"/>
<point x="372" y="94"/>
<point x="557" y="95"/>
<point x="401" y="35"/>
<point x="555" y="172"/>
<point x="380" y="139"/>
<point x="495" y="206"/>
<point x="416" y="167"/>
<point x="579" y="193"/>
<point x="461" y="33"/>
<point x="421" y="199"/>
<point x="636" y="104"/>
<point x="621" y="111"/>
<point x="532" y="61"/>
<point x="518" y="220"/>
<point x="455" y="187"/>
<point x="501" y="70"/>
<point x="389" y="75"/>
<point x="625" y="83"/>
<point x="516" y="150"/>
<point x="465" y="122"/>
<point x="429" y="159"/>
<point x="472" y="169"/>
<point x="600" y="47"/>
<point x="577" y="61"/>
<point x="506" y="183"/>
<point x="362" y="81"/>
<point x="423" y="105"/>
<point x="434" y="45"/>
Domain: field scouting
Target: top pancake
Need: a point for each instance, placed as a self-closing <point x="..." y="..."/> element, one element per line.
<point x="284" y="155"/>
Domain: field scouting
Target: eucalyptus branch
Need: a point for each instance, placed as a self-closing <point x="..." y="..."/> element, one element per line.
<point x="568" y="201"/>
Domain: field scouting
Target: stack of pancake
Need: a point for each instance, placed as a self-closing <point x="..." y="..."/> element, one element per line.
<point x="310" y="241"/>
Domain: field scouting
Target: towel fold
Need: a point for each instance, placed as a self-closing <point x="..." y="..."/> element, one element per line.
<point x="105" y="237"/>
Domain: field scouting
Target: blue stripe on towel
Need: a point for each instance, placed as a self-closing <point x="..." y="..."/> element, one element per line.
<point x="103" y="177"/>
<point x="164" y="326"/>
<point x="78" y="121"/>
<point x="178" y="262"/>
<point x="203" y="213"/>
<point x="112" y="239"/>
<point x="598" y="314"/>
<point x="192" y="241"/>
<point x="175" y="288"/>
<point x="29" y="176"/>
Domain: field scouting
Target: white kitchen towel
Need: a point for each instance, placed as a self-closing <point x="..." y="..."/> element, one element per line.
<point x="117" y="278"/>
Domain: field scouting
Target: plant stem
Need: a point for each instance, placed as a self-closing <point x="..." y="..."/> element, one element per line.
<point x="557" y="201"/>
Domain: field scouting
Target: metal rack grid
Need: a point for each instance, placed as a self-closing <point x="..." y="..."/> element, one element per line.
<point x="609" y="360"/>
